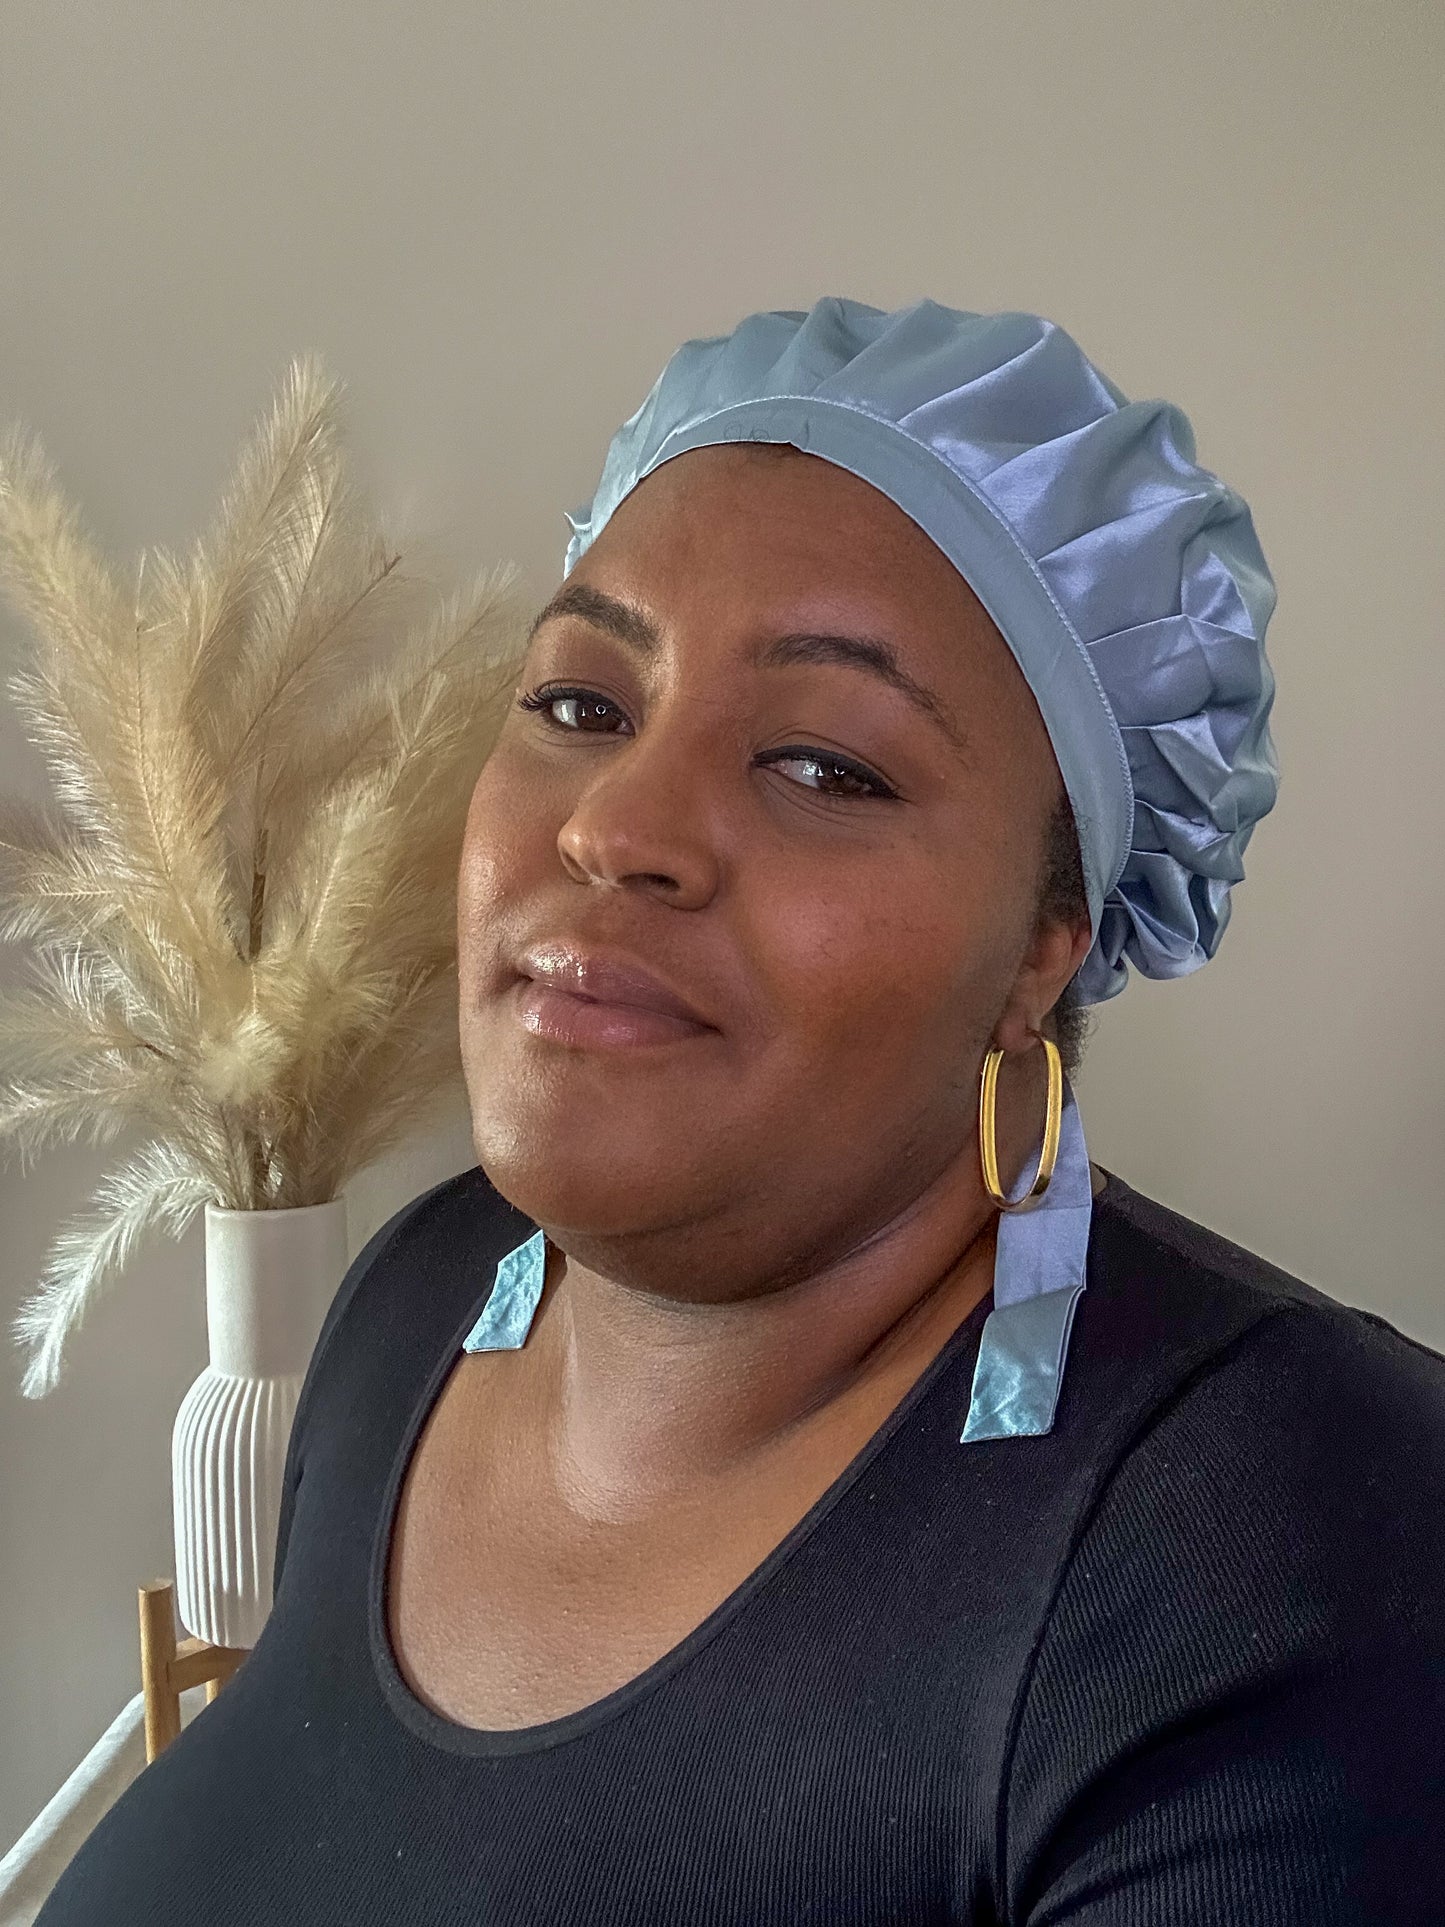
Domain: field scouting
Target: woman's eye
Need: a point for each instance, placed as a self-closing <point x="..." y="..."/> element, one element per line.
<point x="832" y="768"/>
<point x="840" y="778"/>
<point x="573" y="701"/>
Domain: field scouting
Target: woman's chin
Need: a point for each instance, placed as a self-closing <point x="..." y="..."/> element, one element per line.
<point x="600" y="1173"/>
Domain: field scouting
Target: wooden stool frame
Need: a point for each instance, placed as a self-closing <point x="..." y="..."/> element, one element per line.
<point x="168" y="1667"/>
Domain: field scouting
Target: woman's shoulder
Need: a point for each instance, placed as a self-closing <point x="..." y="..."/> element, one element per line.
<point x="1312" y="1427"/>
<point x="402" y="1294"/>
<point x="1242" y="1656"/>
<point x="1141" y="1233"/>
<point x="1153" y="1270"/>
<point x="1244" y="1429"/>
<point x="448" y="1227"/>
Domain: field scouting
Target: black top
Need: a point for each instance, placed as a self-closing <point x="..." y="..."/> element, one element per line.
<point x="1180" y="1661"/>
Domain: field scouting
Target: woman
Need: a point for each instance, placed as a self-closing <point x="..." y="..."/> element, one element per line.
<point x="689" y="1515"/>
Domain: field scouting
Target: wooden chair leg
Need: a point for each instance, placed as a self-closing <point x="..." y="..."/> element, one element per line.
<point x="157" y="1655"/>
<point x="168" y="1668"/>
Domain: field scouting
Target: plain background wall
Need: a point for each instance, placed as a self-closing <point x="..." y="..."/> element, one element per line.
<point x="496" y="223"/>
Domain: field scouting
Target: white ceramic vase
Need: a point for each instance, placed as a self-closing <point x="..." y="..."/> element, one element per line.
<point x="270" y="1276"/>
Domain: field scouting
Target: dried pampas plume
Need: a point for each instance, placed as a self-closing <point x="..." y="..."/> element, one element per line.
<point x="241" y="912"/>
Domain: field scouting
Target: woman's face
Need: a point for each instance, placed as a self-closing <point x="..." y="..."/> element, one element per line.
<point x="854" y="933"/>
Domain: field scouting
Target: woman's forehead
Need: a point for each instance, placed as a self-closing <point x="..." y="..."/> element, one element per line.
<point x="769" y="527"/>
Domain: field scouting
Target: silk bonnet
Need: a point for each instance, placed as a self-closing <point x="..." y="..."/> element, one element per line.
<point x="1126" y="579"/>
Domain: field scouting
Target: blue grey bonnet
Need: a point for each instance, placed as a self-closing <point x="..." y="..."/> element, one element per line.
<point x="1125" y="578"/>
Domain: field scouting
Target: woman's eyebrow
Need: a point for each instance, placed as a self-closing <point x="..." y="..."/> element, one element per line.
<point x="603" y="611"/>
<point x="637" y="630"/>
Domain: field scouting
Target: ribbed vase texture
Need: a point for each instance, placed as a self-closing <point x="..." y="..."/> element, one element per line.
<point x="270" y="1276"/>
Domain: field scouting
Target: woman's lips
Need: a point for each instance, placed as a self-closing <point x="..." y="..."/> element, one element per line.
<point x="588" y="1023"/>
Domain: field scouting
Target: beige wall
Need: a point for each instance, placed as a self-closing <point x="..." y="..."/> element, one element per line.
<point x="496" y="222"/>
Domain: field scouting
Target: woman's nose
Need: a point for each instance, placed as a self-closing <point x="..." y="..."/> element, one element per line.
<point x="649" y="815"/>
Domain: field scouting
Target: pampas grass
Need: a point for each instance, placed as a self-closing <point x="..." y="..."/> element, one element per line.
<point x="240" y="914"/>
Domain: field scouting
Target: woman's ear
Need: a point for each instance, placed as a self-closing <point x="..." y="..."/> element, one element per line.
<point x="1054" y="954"/>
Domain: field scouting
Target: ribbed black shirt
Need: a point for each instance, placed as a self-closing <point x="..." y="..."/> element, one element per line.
<point x="1180" y="1661"/>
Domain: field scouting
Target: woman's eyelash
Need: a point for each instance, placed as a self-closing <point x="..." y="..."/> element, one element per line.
<point x="545" y="699"/>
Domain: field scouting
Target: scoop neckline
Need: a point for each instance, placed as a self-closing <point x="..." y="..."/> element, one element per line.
<point x="451" y="1736"/>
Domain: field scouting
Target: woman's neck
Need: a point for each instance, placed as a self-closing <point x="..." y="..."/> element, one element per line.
<point x="643" y="1397"/>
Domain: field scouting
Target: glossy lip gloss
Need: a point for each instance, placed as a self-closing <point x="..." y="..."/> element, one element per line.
<point x="587" y="1023"/>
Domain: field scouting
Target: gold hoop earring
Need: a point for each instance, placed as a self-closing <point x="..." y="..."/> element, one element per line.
<point x="1053" y="1124"/>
